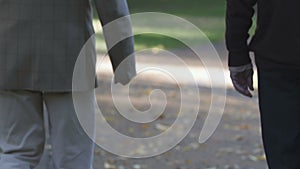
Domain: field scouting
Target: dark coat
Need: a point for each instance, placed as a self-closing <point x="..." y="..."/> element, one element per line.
<point x="276" y="42"/>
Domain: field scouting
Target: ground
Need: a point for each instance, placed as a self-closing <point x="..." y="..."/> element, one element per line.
<point x="236" y="144"/>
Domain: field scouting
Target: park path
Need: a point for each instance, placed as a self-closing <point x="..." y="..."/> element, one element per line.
<point x="236" y="144"/>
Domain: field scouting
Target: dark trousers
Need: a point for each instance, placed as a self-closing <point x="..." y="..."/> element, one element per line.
<point x="279" y="101"/>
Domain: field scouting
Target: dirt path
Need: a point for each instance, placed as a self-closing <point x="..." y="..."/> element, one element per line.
<point x="236" y="144"/>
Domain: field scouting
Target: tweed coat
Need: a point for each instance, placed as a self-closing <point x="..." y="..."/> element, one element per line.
<point x="40" y="41"/>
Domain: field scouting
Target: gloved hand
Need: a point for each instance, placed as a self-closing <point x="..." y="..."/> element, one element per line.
<point x="242" y="79"/>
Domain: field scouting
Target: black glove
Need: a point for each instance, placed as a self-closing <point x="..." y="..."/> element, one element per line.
<point x="242" y="79"/>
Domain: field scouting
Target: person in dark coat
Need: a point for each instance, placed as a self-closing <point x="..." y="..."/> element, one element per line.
<point x="276" y="46"/>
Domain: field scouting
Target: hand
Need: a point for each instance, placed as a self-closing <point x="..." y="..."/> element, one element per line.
<point x="124" y="76"/>
<point x="123" y="81"/>
<point x="125" y="71"/>
<point x="243" y="81"/>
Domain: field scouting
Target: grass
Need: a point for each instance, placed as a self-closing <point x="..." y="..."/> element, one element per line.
<point x="184" y="8"/>
<point x="208" y="15"/>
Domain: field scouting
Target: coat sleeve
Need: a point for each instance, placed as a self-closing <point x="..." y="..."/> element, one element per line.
<point x="117" y="30"/>
<point x="239" y="15"/>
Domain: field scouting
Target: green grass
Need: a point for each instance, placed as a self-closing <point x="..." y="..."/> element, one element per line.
<point x="208" y="15"/>
<point x="187" y="8"/>
<point x="156" y="41"/>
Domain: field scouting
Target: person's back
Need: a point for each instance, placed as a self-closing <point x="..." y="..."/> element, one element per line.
<point x="40" y="41"/>
<point x="276" y="46"/>
<point x="277" y="37"/>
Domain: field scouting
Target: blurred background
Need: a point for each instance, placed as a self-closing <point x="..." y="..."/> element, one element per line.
<point x="236" y="144"/>
<point x="207" y="15"/>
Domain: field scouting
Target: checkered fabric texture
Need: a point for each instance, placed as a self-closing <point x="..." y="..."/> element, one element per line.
<point x="40" y="40"/>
